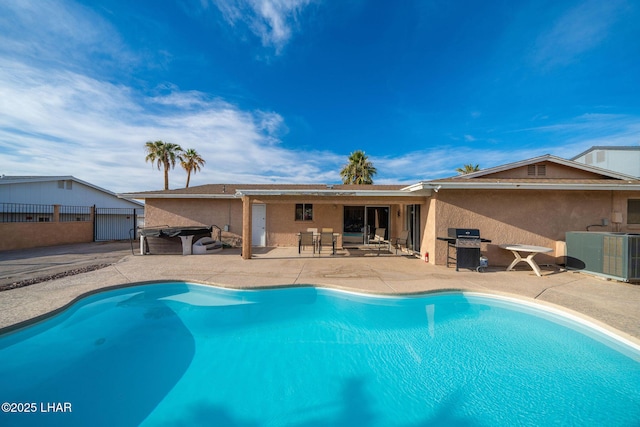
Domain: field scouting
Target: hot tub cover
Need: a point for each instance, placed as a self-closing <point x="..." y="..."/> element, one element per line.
<point x="175" y="231"/>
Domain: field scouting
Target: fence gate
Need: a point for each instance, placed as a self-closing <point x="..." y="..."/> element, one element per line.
<point x="114" y="223"/>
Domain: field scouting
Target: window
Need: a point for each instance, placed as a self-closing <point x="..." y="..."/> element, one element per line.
<point x="304" y="212"/>
<point x="633" y="211"/>
<point x="588" y="159"/>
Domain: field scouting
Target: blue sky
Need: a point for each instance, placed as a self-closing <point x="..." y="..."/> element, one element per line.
<point x="281" y="91"/>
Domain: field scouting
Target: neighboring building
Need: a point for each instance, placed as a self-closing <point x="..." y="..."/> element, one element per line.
<point x="534" y="202"/>
<point x="65" y="199"/>
<point x="622" y="159"/>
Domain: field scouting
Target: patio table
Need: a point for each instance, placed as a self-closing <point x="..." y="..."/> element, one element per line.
<point x="517" y="249"/>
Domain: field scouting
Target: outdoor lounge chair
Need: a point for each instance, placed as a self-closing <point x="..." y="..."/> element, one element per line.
<point x="306" y="239"/>
<point x="379" y="239"/>
<point x="327" y="239"/>
<point x="402" y="240"/>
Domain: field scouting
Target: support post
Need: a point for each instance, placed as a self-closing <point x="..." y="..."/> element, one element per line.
<point x="246" y="227"/>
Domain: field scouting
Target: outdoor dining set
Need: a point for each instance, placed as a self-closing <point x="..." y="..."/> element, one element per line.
<point x="316" y="240"/>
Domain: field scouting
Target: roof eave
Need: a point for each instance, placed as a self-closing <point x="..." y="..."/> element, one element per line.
<point x="319" y="192"/>
<point x="174" y="196"/>
<point x="531" y="186"/>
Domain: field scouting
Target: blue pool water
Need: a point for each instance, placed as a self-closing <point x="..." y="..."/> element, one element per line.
<point x="181" y="354"/>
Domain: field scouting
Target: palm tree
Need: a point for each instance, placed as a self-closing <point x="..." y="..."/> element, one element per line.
<point x="164" y="154"/>
<point x="468" y="169"/>
<point x="191" y="162"/>
<point x="359" y="170"/>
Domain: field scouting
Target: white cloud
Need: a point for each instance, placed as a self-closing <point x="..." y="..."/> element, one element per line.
<point x="577" y="31"/>
<point x="63" y="123"/>
<point x="273" y="21"/>
<point x="442" y="161"/>
<point x="59" y="115"/>
<point x="60" y="34"/>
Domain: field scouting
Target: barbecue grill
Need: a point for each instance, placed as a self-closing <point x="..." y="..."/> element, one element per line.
<point x="465" y="244"/>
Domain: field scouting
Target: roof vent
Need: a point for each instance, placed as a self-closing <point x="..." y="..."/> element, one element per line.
<point x="537" y="170"/>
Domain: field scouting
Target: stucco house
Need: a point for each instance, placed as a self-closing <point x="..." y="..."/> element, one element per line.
<point x="272" y="214"/>
<point x="533" y="201"/>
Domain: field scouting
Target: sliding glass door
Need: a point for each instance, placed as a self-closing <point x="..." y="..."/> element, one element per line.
<point x="413" y="225"/>
<point x="377" y="217"/>
<point x="360" y="223"/>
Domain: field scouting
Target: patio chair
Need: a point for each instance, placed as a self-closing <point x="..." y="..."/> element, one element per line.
<point x="379" y="239"/>
<point x="402" y="240"/>
<point x="327" y="239"/>
<point x="306" y="239"/>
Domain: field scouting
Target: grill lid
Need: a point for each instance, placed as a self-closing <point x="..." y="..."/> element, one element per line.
<point x="463" y="232"/>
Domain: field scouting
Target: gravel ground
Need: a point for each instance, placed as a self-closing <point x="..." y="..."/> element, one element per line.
<point x="34" y="280"/>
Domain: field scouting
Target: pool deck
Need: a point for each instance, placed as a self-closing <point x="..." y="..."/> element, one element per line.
<point x="608" y="303"/>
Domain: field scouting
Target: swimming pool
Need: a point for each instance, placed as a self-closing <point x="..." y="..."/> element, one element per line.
<point x="186" y="354"/>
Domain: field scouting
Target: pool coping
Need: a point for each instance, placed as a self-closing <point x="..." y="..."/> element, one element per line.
<point x="607" y="304"/>
<point x="589" y="322"/>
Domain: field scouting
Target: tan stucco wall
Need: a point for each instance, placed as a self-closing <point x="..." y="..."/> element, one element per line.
<point x="504" y="216"/>
<point x="428" y="228"/>
<point x="281" y="226"/>
<point x="24" y="235"/>
<point x="186" y="212"/>
<point x="517" y="216"/>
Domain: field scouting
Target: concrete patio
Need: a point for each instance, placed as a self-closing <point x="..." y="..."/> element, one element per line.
<point x="611" y="304"/>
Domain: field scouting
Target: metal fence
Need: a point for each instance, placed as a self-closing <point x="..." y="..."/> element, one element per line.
<point x="116" y="223"/>
<point x="109" y="223"/>
<point x="22" y="212"/>
<point x="74" y="213"/>
<point x="25" y="212"/>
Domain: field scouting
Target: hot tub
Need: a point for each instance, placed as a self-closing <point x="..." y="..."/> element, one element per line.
<point x="171" y="240"/>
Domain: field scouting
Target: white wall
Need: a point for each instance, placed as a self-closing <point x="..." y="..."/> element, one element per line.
<point x="49" y="193"/>
<point x="618" y="160"/>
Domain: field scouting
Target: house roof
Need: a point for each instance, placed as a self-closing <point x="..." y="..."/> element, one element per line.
<point x="603" y="179"/>
<point x="230" y="191"/>
<point x="545" y="158"/>
<point x="609" y="180"/>
<point x="7" y="179"/>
